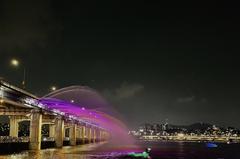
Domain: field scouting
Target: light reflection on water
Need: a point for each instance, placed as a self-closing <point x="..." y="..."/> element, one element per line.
<point x="163" y="150"/>
<point x="88" y="151"/>
<point x="67" y="152"/>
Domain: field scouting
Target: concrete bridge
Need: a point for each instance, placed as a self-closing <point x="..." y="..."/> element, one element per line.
<point x="20" y="105"/>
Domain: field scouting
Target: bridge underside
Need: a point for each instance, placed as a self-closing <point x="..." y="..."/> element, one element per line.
<point x="64" y="120"/>
<point x="57" y="126"/>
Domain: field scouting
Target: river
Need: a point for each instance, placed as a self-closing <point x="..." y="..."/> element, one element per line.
<point x="160" y="150"/>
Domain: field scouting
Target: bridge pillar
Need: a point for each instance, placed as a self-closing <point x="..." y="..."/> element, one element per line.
<point x="77" y="134"/>
<point x="101" y="135"/>
<point x="52" y="130"/>
<point x="86" y="135"/>
<point x="64" y="132"/>
<point x="80" y="133"/>
<point x="72" y="134"/>
<point x="106" y="135"/>
<point x="97" y="135"/>
<point x="90" y="134"/>
<point x="94" y="135"/>
<point x="35" y="130"/>
<point x="59" y="129"/>
<point x="83" y="134"/>
<point x="13" y="126"/>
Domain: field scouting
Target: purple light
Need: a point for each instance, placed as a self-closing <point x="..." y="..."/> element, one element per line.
<point x="62" y="107"/>
<point x="75" y="112"/>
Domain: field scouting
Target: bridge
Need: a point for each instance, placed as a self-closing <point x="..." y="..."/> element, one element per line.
<point x="82" y="125"/>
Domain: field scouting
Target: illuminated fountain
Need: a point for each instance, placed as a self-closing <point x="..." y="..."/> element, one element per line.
<point x="88" y="105"/>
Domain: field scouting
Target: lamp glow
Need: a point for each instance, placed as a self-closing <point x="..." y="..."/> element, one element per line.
<point x="53" y="88"/>
<point x="14" y="62"/>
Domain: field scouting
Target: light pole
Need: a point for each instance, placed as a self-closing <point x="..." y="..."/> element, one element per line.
<point x="15" y="63"/>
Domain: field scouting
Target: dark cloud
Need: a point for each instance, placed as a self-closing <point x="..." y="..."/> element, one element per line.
<point x="123" y="92"/>
<point x="179" y="63"/>
<point x="128" y="90"/>
<point x="186" y="99"/>
<point x="27" y="24"/>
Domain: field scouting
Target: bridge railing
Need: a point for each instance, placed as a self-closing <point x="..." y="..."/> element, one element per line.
<point x="9" y="139"/>
<point x="48" y="139"/>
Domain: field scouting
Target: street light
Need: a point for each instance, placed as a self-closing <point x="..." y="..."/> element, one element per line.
<point x="14" y="62"/>
<point x="53" y="88"/>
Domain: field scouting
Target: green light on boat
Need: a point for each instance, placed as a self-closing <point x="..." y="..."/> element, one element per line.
<point x="144" y="154"/>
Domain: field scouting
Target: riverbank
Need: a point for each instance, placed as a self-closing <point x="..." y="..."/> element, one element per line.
<point x="188" y="138"/>
<point x="160" y="150"/>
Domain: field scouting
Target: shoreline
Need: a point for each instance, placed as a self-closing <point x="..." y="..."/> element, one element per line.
<point x="194" y="141"/>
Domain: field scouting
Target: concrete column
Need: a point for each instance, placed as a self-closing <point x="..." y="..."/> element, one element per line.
<point x="97" y="135"/>
<point x="59" y="129"/>
<point x="103" y="135"/>
<point x="80" y="133"/>
<point x="100" y="135"/>
<point x="77" y="133"/>
<point x="94" y="135"/>
<point x="72" y="134"/>
<point x="86" y="135"/>
<point x="13" y="126"/>
<point x="64" y="132"/>
<point x="35" y="130"/>
<point x="83" y="134"/>
<point x="90" y="134"/>
<point x="52" y="130"/>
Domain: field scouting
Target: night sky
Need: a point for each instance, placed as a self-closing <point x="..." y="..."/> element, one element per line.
<point x="152" y="61"/>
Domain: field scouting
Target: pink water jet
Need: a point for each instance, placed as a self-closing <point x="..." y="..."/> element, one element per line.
<point x="88" y="105"/>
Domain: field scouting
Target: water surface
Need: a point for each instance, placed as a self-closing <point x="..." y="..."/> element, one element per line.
<point x="160" y="150"/>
